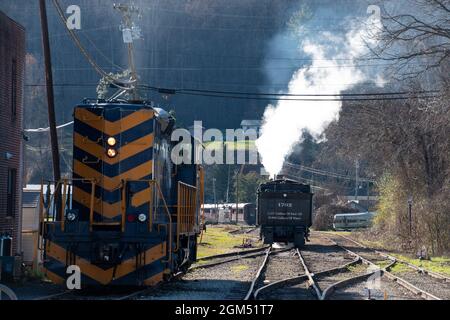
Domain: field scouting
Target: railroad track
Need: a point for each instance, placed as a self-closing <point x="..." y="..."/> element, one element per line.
<point x="384" y="264"/>
<point x="294" y="280"/>
<point x="330" y="282"/>
<point x="355" y="273"/>
<point x="421" y="270"/>
<point x="86" y="295"/>
<point x="229" y="257"/>
<point x="303" y="286"/>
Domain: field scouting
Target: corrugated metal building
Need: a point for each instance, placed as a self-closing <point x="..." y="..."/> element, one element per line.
<point x="30" y="223"/>
<point x="30" y="226"/>
<point x="12" y="67"/>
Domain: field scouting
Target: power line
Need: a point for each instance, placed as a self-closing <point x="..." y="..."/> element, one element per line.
<point x="278" y="97"/>
<point x="304" y="99"/>
<point x="187" y="90"/>
<point x="83" y="50"/>
<point x="48" y="128"/>
<point x="63" y="85"/>
<point x="374" y="96"/>
<point x="325" y="173"/>
<point x="310" y="95"/>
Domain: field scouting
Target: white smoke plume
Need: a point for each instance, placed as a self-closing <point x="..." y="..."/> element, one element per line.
<point x="332" y="71"/>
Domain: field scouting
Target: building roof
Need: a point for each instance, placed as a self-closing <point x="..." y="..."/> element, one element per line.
<point x="30" y="199"/>
<point x="3" y="15"/>
<point x="37" y="187"/>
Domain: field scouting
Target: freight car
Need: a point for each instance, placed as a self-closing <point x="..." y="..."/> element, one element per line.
<point x="284" y="211"/>
<point x="128" y="215"/>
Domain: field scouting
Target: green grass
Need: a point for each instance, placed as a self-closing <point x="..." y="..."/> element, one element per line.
<point x="436" y="264"/>
<point x="239" y="268"/>
<point x="400" y="268"/>
<point x="218" y="240"/>
<point x="359" y="268"/>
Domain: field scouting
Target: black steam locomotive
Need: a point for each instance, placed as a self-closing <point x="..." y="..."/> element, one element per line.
<point x="284" y="211"/>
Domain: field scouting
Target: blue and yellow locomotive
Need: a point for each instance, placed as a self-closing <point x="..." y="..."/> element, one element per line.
<point x="129" y="215"/>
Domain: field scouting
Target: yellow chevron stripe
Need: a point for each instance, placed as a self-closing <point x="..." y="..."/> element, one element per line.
<point x="113" y="128"/>
<point x="108" y="183"/>
<point x="154" y="279"/>
<point x="105" y="276"/>
<point x="103" y="208"/>
<point x="109" y="210"/>
<point x="124" y="152"/>
<point x="53" y="277"/>
<point x="141" y="197"/>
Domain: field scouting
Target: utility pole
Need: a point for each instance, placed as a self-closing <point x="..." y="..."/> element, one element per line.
<point x="228" y="185"/>
<point x="356" y="178"/>
<point x="50" y="99"/>
<point x="368" y="195"/>
<point x="130" y="32"/>
<point x="238" y="174"/>
<point x="410" y="201"/>
<point x="214" y="192"/>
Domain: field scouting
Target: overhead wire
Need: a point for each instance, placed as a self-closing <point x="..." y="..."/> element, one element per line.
<point x="294" y="97"/>
<point x="326" y="173"/>
<point x="78" y="44"/>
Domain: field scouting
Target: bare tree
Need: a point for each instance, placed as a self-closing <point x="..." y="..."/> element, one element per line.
<point x="415" y="41"/>
<point x="408" y="141"/>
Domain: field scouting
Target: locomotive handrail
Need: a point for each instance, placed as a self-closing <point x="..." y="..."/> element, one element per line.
<point x="150" y="208"/>
<point x="185" y="191"/>
<point x="161" y="196"/>
<point x="43" y="214"/>
<point x="91" y="205"/>
<point x="63" y="203"/>
<point x="168" y="216"/>
<point x="123" y="204"/>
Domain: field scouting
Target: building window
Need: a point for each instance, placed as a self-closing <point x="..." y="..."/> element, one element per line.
<point x="11" y="193"/>
<point x="13" y="89"/>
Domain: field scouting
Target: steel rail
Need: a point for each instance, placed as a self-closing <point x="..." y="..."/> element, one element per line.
<point x="258" y="274"/>
<point x="133" y="294"/>
<point x="231" y="254"/>
<point x="279" y="284"/>
<point x="383" y="254"/>
<point x="51" y="296"/>
<point x="299" y="279"/>
<point x="409" y="286"/>
<point x="125" y="297"/>
<point x="345" y="282"/>
<point x="310" y="275"/>
<point x="252" y="255"/>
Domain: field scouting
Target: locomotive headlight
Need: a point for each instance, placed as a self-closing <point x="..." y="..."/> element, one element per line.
<point x="111" y="141"/>
<point x="142" y="217"/>
<point x="111" y="152"/>
<point x="71" y="216"/>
